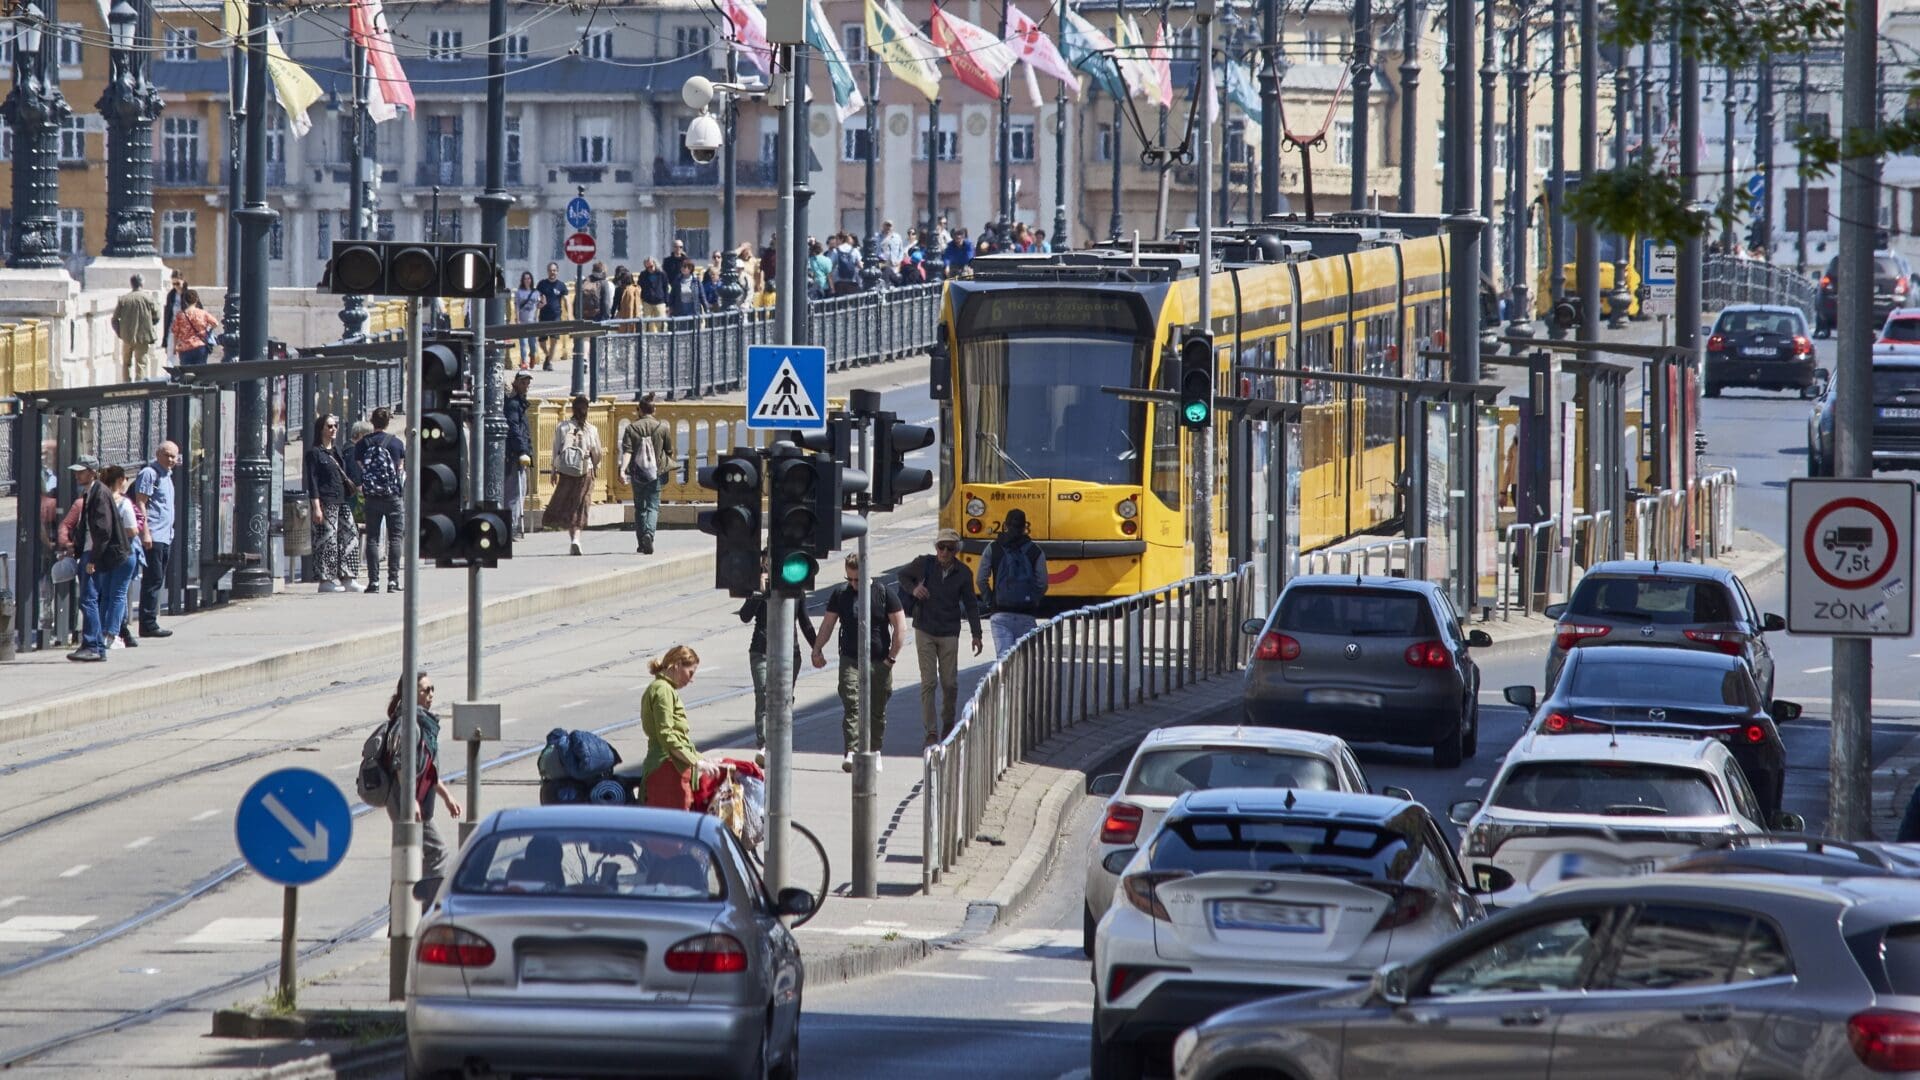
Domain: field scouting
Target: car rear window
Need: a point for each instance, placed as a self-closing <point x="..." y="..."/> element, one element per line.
<point x="1178" y="770"/>
<point x="1759" y="322"/>
<point x="1888" y="268"/>
<point x="1900" y="951"/>
<point x="1283" y="845"/>
<point x="1666" y="601"/>
<point x="1355" y="612"/>
<point x="1901" y="330"/>
<point x="1601" y="679"/>
<point x="1624" y="788"/>
<point x="621" y="863"/>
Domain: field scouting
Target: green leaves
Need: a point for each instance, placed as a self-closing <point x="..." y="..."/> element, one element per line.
<point x="1637" y="201"/>
<point x="1728" y="33"/>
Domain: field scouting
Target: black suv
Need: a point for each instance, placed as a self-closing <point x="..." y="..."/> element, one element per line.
<point x="1892" y="284"/>
<point x="1896" y="416"/>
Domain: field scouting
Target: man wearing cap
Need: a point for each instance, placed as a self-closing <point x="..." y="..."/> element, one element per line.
<point x="83" y="470"/>
<point x="519" y="453"/>
<point x="1012" y="589"/>
<point x="942" y="591"/>
<point x="153" y="494"/>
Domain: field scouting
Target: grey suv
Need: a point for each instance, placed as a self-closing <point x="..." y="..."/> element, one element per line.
<point x="1677" y="605"/>
<point x="1654" y="977"/>
<point x="1370" y="659"/>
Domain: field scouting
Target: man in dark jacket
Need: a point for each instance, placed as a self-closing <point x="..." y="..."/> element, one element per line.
<point x="679" y="270"/>
<point x="655" y="290"/>
<point x="942" y="592"/>
<point x="1013" y="590"/>
<point x="105" y="542"/>
<point x="519" y="449"/>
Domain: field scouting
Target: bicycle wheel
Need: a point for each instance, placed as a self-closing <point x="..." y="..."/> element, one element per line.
<point x="807" y="868"/>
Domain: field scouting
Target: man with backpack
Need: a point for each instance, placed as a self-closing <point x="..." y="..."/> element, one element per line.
<point x="942" y="595"/>
<point x="596" y="295"/>
<point x="382" y="460"/>
<point x="846" y="267"/>
<point x="1012" y="580"/>
<point x="646" y="457"/>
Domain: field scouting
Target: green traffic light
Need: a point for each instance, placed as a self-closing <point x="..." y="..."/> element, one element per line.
<point x="795" y="568"/>
<point x="1196" y="412"/>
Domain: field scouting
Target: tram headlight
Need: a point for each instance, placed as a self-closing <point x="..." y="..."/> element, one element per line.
<point x="1127" y="509"/>
<point x="976" y="507"/>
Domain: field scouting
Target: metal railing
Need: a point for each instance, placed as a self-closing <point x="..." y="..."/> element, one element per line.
<point x="1729" y="280"/>
<point x="693" y="355"/>
<point x="9" y="425"/>
<point x="1066" y="671"/>
<point x="1518" y="583"/>
<point x="1713" y="504"/>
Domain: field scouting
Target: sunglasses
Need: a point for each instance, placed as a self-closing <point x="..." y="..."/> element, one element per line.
<point x="946" y="547"/>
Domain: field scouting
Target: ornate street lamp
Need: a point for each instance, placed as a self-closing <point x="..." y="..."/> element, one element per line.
<point x="130" y="105"/>
<point x="35" y="109"/>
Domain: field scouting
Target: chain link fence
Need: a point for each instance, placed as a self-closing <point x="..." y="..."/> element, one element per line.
<point x="1729" y="280"/>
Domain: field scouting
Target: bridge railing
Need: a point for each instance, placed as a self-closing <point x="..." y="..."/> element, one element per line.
<point x="1729" y="280"/>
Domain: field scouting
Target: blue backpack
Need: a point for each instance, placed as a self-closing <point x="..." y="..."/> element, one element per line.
<point x="1016" y="578"/>
<point x="379" y="472"/>
<point x="846" y="268"/>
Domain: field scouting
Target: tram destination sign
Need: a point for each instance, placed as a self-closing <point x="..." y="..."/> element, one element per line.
<point x="1000" y="311"/>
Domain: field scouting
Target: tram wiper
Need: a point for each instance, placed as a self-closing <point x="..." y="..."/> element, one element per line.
<point x="993" y="441"/>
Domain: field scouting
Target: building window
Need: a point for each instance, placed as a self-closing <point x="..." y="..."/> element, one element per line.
<point x="596" y="44"/>
<point x="1103" y="143"/>
<point x="73" y="138"/>
<point x="1440" y="144"/>
<point x="179" y="147"/>
<point x="1542" y="51"/>
<point x="853" y="144"/>
<point x="619" y="235"/>
<point x="519" y="244"/>
<point x="1343" y="142"/>
<point x="1020" y="140"/>
<point x="444" y="43"/>
<point x="949" y="138"/>
<point x="182" y="44"/>
<point x="1542" y="147"/>
<point x="770" y="140"/>
<point x="6" y="144"/>
<point x="853" y="41"/>
<point x="177" y="231"/>
<point x="69" y="38"/>
<point x="6" y="49"/>
<point x="593" y="140"/>
<point x="277" y="138"/>
<point x="515" y="46"/>
<point x="692" y="40"/>
<point x="1816" y="209"/>
<point x="322" y="234"/>
<point x="513" y="148"/>
<point x="73" y="232"/>
<point x="445" y="226"/>
<point x="1316" y="46"/>
<point x="277" y="238"/>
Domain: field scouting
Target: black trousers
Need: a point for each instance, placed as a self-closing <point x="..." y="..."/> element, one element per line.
<point x="153" y="579"/>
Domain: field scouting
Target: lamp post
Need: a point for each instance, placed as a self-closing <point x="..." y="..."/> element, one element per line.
<point x="1726" y="167"/>
<point x="1362" y="68"/>
<point x="129" y="104"/>
<point x="934" y="145"/>
<point x="35" y="109"/>
<point x="1586" y="234"/>
<point x="236" y="121"/>
<point x="1003" y="231"/>
<point x="1269" y="119"/>
<point x="1410" y="17"/>
<point x="1061" y="242"/>
<point x="1620" y="298"/>
<point x="1763" y="159"/>
<point x="1520" y="152"/>
<point x="731" y="291"/>
<point x="1489" y="76"/>
<point x="353" y="307"/>
<point x="253" y="471"/>
<point x="870" y="265"/>
<point x="1557" y="179"/>
<point x="1114" y="223"/>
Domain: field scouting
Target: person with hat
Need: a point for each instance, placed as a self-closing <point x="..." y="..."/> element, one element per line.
<point x="942" y="592"/>
<point x="1012" y="580"/>
<point x="83" y="471"/>
<point x="519" y="451"/>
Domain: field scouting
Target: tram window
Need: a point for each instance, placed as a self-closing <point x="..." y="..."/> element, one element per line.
<point x="1033" y="409"/>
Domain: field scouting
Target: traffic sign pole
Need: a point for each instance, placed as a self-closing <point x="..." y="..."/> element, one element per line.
<point x="289" y="945"/>
<point x="293" y="828"/>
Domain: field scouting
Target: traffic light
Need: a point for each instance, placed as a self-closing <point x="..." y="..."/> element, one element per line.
<point x="893" y="480"/>
<point x="735" y="521"/>
<point x="836" y="487"/>
<point x="1196" y="380"/>
<point x="485" y="536"/>
<point x="411" y="268"/>
<point x="445" y="410"/>
<point x="794" y="505"/>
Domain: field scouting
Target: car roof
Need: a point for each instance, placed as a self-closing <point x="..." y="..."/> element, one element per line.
<point x="1904" y="313"/>
<point x="1777" y="309"/>
<point x="1653" y="749"/>
<point x="682" y="823"/>
<point x="1656" y="654"/>
<point x="1290" y="802"/>
<point x="1240" y="735"/>
<point x="1838" y="892"/>
<point x="1654" y="568"/>
<point x="1363" y="580"/>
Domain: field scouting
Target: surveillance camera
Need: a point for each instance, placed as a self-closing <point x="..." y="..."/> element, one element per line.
<point x="704" y="138"/>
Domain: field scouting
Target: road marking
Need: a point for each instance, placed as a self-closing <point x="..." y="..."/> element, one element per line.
<point x="574" y="704"/>
<point x="946" y="975"/>
<point x="1048" y="1008"/>
<point x="988" y="956"/>
<point x="1818" y="670"/>
<point x="39" y="929"/>
<point x="235" y="931"/>
<point x="1021" y="940"/>
<point x="10" y="901"/>
<point x="1476" y="781"/>
<point x="1047" y="981"/>
<point x="137" y="844"/>
<point x="76" y="871"/>
<point x="204" y="815"/>
<point x="509" y="720"/>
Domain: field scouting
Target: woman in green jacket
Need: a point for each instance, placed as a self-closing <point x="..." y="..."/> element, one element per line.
<point x="673" y="762"/>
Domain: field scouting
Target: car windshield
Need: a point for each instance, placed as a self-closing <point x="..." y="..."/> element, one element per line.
<point x="1901" y="330"/>
<point x="1032" y="408"/>
<point x="622" y="863"/>
<point x="1178" y="770"/>
<point x="1890" y="383"/>
<point x="1759" y="322"/>
<point x="1608" y="680"/>
<point x="1623" y="788"/>
<point x="1355" y="612"/>
<point x="1280" y="845"/>
<point x="1667" y="601"/>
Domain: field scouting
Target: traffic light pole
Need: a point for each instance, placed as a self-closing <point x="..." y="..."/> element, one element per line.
<point x="866" y="793"/>
<point x="403" y="917"/>
<point x="474" y="484"/>
<point x="1203" y="160"/>
<point x="780" y="616"/>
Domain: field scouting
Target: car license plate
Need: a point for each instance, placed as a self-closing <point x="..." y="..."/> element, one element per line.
<point x="1264" y="915"/>
<point x="1900" y="414"/>
<point x="1343" y="697"/>
<point x="1758" y="350"/>
<point x="579" y="967"/>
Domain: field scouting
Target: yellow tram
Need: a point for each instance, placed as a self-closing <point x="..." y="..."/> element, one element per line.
<point x="1107" y="484"/>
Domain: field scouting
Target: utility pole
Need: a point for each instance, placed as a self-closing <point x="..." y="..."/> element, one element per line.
<point x="1166" y="164"/>
<point x="1851" y="748"/>
<point x="870" y="244"/>
<point x="1728" y="119"/>
<point x="780" y="615"/>
<point x="353" y="307"/>
<point x="1763" y="158"/>
<point x="1362" y="99"/>
<point x="1557" y="179"/>
<point x="1646" y="103"/>
<point x="1005" y="231"/>
<point x="802" y="195"/>
<point x="1586" y="235"/>
<point x="1061" y="240"/>
<point x="1114" y="223"/>
<point x="236" y="270"/>
<point x="1622" y="113"/>
<point x="253" y="472"/>
<point x="1463" y="313"/>
<point x="866" y="796"/>
<point x="1269" y="118"/>
<point x="934" y="144"/>
<point x="1520" y="93"/>
<point x="1488" y="77"/>
<point x="1800" y="158"/>
<point x="1203" y="161"/>
<point x="731" y="291"/>
<point x="1687" y="300"/>
<point x="403" y="919"/>
<point x="1411" y="14"/>
<point x="494" y="202"/>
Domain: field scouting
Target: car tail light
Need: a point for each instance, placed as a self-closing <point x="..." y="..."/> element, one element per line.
<point x="1429" y="654"/>
<point x="1717" y="343"/>
<point x="1900" y="284"/>
<point x="454" y="947"/>
<point x="1122" y="825"/>
<point x="1559" y="723"/>
<point x="1125" y="977"/>
<point x="1141" y="890"/>
<point x="1756" y="734"/>
<point x="708" y="954"/>
<point x="1275" y="645"/>
<point x="1568" y="635"/>
<point x="1826" y="281"/>
<point x="1885" y="1040"/>
<point x="1408" y="905"/>
<point x="1129" y="527"/>
<point x="1729" y="642"/>
<point x="1802" y="346"/>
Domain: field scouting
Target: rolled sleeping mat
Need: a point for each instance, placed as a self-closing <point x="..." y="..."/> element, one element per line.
<point x="608" y="792"/>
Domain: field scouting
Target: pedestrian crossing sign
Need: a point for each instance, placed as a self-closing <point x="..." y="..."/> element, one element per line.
<point x="787" y="387"/>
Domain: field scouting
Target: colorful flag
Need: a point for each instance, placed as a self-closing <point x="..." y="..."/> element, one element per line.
<point x="1128" y="48"/>
<point x="907" y="53"/>
<point x="1163" y="66"/>
<point x="1091" y="51"/>
<point x="1037" y="49"/>
<point x="749" y="33"/>
<point x="978" y="56"/>
<point x="1241" y="91"/>
<point x="846" y="92"/>
<point x="367" y="23"/>
<point x="292" y="86"/>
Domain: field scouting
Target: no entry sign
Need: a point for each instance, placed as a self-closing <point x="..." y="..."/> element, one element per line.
<point x="1850" y="558"/>
<point x="579" y="248"/>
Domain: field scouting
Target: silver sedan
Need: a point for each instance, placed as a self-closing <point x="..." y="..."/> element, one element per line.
<point x="605" y="941"/>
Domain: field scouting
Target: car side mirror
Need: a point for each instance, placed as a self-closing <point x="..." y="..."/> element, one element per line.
<point x="1390" y="984"/>
<point x="796" y="902"/>
<point x="1822" y="376"/>
<point x="426" y="889"/>
<point x="1787" y="821"/>
<point x="1393" y="792"/>
<point x="1523" y="696"/>
<point x="1555" y="611"/>
<point x="1479" y="639"/>
<point x="1253" y="626"/>
<point x="1116" y="861"/>
<point x="1462" y="812"/>
<point x="1771" y="622"/>
<point x="1783" y="711"/>
<point x="1105" y="785"/>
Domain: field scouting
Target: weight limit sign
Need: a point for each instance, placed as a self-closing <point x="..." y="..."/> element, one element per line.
<point x="1850" y="558"/>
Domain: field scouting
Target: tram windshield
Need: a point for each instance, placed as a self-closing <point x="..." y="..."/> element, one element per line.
<point x="1032" y="408"/>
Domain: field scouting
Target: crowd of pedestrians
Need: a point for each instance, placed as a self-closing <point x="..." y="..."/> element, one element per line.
<point x="116" y="535"/>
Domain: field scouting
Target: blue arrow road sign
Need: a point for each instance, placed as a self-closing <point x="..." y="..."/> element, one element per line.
<point x="1757" y="187"/>
<point x="579" y="214"/>
<point x="293" y="826"/>
<point x="787" y="387"/>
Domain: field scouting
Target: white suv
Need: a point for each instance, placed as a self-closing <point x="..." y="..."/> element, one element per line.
<point x="1172" y="761"/>
<point x="1246" y="893"/>
<point x="1571" y="806"/>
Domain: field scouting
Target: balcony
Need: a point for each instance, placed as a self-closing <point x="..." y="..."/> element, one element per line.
<point x="755" y="174"/>
<point x="590" y="173"/>
<point x="441" y="173"/>
<point x="685" y="174"/>
<point x="172" y="172"/>
<point x="513" y="173"/>
<point x="341" y="172"/>
<point x="276" y="173"/>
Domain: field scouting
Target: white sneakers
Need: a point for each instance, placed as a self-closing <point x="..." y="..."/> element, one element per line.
<point x="846" y="762"/>
<point x="331" y="586"/>
<point x="352" y="585"/>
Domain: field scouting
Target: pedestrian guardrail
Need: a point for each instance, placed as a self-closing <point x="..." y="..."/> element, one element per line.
<point x="1713" y="503"/>
<point x="1069" y="670"/>
<point x="1729" y="280"/>
<point x="9" y="422"/>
